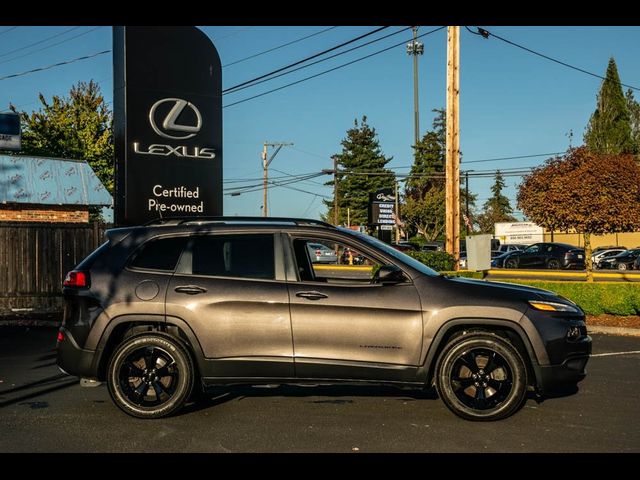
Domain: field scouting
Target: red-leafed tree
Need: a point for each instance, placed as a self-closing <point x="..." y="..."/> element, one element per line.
<point x="585" y="191"/>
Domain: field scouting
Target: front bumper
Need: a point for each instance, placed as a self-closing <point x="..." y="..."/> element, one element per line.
<point x="553" y="378"/>
<point x="564" y="340"/>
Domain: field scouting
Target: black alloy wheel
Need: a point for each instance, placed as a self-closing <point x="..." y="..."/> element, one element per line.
<point x="150" y="376"/>
<point x="553" y="264"/>
<point x="511" y="263"/>
<point x="481" y="376"/>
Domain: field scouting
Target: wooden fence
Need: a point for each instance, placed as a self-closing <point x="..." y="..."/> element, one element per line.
<point x="34" y="258"/>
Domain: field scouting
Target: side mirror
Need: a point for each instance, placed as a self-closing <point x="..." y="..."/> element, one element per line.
<point x="389" y="275"/>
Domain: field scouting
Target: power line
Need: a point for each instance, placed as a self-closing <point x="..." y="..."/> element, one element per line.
<point x="311" y="57"/>
<point x="259" y="186"/>
<point x="320" y="61"/>
<point x="231" y="34"/>
<point x="324" y="157"/>
<point x="328" y="71"/>
<point x="86" y="57"/>
<point x="7" y="30"/>
<point x="552" y="154"/>
<point x="290" y="175"/>
<point x="304" y="191"/>
<point x="309" y="206"/>
<point x="50" y="46"/>
<point x="278" y="47"/>
<point x="38" y="42"/>
<point x="486" y="34"/>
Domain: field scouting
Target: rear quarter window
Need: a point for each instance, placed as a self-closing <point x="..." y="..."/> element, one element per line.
<point x="159" y="254"/>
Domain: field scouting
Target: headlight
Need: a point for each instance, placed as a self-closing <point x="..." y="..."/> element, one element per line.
<point x="553" y="306"/>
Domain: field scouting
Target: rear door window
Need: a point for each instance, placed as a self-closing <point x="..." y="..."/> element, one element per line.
<point x="244" y="256"/>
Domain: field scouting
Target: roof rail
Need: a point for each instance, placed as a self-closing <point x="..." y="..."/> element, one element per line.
<point x="173" y="221"/>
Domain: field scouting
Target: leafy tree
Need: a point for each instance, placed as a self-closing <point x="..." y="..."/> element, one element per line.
<point x="424" y="208"/>
<point x="609" y="129"/>
<point x="79" y="126"/>
<point x="634" y="115"/>
<point x="497" y="208"/>
<point x="589" y="192"/>
<point x="363" y="164"/>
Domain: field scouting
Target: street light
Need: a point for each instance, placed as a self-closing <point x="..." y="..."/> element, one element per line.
<point x="415" y="48"/>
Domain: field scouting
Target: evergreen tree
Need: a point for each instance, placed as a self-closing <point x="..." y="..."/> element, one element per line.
<point x="425" y="203"/>
<point x="497" y="208"/>
<point x="634" y="116"/>
<point x="79" y="126"/>
<point x="361" y="155"/>
<point x="609" y="129"/>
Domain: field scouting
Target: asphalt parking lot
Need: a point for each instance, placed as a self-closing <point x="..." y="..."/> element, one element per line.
<point x="42" y="410"/>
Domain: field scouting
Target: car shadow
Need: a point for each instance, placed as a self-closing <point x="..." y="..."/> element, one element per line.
<point x="559" y="392"/>
<point x="338" y="394"/>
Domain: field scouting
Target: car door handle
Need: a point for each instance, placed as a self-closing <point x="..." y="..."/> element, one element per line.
<point x="311" y="295"/>
<point x="190" y="289"/>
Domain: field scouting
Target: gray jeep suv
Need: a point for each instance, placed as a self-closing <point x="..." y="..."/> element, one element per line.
<point x="168" y="309"/>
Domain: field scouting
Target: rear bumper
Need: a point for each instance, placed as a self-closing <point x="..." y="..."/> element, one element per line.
<point x="74" y="360"/>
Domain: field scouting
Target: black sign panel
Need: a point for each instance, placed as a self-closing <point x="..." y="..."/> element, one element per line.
<point x="167" y="124"/>
<point x="10" y="138"/>
<point x="382" y="208"/>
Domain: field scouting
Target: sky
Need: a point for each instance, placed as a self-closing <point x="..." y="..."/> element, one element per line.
<point x="512" y="103"/>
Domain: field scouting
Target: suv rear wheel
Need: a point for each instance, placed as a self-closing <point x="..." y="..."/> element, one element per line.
<point x="150" y="376"/>
<point x="481" y="376"/>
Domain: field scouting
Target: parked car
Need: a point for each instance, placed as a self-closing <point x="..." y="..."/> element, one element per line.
<point x="547" y="255"/>
<point x="636" y="264"/>
<point x="498" y="260"/>
<point x="432" y="247"/>
<point x="610" y="247"/>
<point x="163" y="310"/>
<point x="622" y="261"/>
<point x="321" y="253"/>
<point x="602" y="254"/>
<point x="510" y="247"/>
<point x="405" y="247"/>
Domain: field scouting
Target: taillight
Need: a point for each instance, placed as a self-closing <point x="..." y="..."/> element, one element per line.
<point x="76" y="278"/>
<point x="60" y="337"/>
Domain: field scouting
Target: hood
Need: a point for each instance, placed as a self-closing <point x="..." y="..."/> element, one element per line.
<point x="502" y="289"/>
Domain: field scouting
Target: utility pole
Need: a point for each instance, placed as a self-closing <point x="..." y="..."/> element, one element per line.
<point x="265" y="171"/>
<point x="466" y="199"/>
<point x="336" y="207"/>
<point x="453" y="145"/>
<point x="397" y="219"/>
<point x="415" y="48"/>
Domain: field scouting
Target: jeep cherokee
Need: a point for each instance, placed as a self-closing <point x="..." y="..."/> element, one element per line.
<point x="168" y="309"/>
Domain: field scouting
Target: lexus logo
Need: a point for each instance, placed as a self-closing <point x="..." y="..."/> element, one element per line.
<point x="169" y="123"/>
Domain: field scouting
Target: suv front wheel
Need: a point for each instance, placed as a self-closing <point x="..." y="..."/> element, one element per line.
<point x="150" y="376"/>
<point x="481" y="376"/>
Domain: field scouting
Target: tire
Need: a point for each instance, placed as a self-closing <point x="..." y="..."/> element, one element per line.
<point x="553" y="264"/>
<point x="510" y="263"/>
<point x="622" y="266"/>
<point x="500" y="385"/>
<point x="136" y="381"/>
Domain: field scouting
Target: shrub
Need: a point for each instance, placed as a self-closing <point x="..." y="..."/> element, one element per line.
<point x="466" y="274"/>
<point x="437" y="260"/>
<point x="595" y="298"/>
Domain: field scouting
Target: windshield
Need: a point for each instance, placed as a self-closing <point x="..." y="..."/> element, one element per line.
<point x="398" y="255"/>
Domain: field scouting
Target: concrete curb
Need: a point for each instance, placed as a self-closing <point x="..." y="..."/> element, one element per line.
<point x="632" y="332"/>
